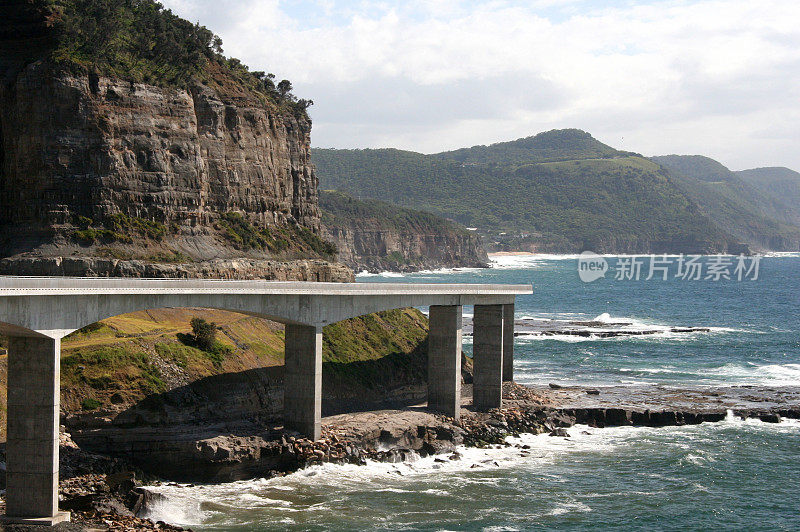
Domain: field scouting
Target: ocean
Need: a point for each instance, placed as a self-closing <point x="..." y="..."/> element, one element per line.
<point x="732" y="475"/>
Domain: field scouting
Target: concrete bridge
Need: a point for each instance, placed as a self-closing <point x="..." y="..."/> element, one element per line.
<point x="36" y="312"/>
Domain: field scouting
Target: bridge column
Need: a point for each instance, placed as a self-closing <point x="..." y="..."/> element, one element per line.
<point x="487" y="357"/>
<point x="302" y="381"/>
<point x="33" y="421"/>
<point x="508" y="342"/>
<point x="444" y="360"/>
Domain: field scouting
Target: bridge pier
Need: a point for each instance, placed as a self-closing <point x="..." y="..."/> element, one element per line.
<point x="444" y="359"/>
<point x="302" y="380"/>
<point x="487" y="357"/>
<point x="33" y="420"/>
<point x="508" y="342"/>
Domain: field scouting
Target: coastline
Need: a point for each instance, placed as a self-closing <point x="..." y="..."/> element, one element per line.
<point x="512" y="254"/>
<point x="107" y="494"/>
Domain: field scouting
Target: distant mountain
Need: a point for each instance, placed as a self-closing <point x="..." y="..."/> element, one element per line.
<point x="752" y="213"/>
<point x="376" y="236"/>
<point x="780" y="183"/>
<point x="551" y="146"/>
<point x="557" y="191"/>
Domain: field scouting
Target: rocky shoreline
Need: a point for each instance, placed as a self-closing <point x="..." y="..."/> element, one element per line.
<point x="107" y="493"/>
<point x="530" y="327"/>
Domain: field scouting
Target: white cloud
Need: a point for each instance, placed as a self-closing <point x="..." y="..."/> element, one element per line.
<point x="709" y="76"/>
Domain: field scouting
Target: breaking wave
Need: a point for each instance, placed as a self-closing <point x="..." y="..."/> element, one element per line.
<point x="604" y="327"/>
<point x="327" y="493"/>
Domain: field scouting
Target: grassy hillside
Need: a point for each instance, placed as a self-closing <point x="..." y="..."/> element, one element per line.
<point x="746" y="211"/>
<point x="589" y="196"/>
<point x="118" y="362"/>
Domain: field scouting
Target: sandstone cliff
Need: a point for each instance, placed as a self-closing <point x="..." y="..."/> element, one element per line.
<point x="376" y="236"/>
<point x="93" y="165"/>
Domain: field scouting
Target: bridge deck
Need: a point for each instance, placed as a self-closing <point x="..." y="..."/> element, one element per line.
<point x="15" y="286"/>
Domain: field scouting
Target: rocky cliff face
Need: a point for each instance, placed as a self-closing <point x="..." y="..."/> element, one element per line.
<point x="363" y="247"/>
<point x="101" y="175"/>
<point x="92" y="147"/>
<point x="375" y="236"/>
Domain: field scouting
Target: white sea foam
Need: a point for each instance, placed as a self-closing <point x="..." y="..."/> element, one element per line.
<point x="767" y="374"/>
<point x="728" y="374"/>
<point x="782" y="254"/>
<point x="300" y="491"/>
<point x="524" y="261"/>
<point x="655" y="331"/>
<point x="570" y="507"/>
<point x="175" y="507"/>
<point x="381" y="274"/>
<point x="446" y="271"/>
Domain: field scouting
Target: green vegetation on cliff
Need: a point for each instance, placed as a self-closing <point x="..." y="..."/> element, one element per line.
<point x="117" y="228"/>
<point x="130" y="39"/>
<point x="245" y="236"/>
<point x="374" y="336"/>
<point x="564" y="188"/>
<point x="340" y="209"/>
<point x="141" y="41"/>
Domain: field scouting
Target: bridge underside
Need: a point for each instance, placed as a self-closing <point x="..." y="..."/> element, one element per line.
<point x="36" y="316"/>
<point x="34" y="390"/>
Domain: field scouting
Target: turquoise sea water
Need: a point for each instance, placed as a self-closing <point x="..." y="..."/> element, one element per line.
<point x="733" y="475"/>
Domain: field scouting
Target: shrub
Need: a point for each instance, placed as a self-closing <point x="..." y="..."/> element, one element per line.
<point x="204" y="333"/>
<point x="243" y="234"/>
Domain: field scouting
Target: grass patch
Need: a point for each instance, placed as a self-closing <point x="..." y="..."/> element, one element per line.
<point x="112" y="367"/>
<point x="90" y="403"/>
<point x="178" y="353"/>
<point x="217" y="353"/>
<point x="373" y="336"/>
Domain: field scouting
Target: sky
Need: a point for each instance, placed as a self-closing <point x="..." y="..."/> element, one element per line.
<point x="714" y="77"/>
